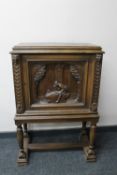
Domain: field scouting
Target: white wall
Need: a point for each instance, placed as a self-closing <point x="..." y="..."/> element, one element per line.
<point x="59" y="21"/>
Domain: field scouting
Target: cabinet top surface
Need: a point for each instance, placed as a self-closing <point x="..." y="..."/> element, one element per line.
<point x="56" y="48"/>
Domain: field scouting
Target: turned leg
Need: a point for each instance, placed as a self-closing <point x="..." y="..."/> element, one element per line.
<point x="20" y="141"/>
<point x="20" y="138"/>
<point x="92" y="139"/>
<point x="89" y="151"/>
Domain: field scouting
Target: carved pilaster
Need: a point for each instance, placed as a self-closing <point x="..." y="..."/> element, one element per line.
<point x="18" y="83"/>
<point x="96" y="82"/>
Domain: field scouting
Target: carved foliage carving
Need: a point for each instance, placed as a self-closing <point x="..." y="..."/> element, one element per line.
<point x="75" y="70"/>
<point x="39" y="74"/>
<point x="18" y="83"/>
<point x="96" y="82"/>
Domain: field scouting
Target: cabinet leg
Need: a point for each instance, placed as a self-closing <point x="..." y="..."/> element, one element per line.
<point x="89" y="151"/>
<point x="22" y="155"/>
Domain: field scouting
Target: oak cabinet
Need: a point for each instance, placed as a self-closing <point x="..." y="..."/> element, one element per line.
<point x="56" y="83"/>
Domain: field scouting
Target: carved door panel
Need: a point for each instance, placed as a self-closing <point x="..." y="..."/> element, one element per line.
<point x="56" y="83"/>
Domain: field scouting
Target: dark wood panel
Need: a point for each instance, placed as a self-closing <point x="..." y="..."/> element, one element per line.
<point x="57" y="82"/>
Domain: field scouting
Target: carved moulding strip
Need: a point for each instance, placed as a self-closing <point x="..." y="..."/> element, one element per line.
<point x="96" y="85"/>
<point x="18" y="83"/>
<point x="39" y="74"/>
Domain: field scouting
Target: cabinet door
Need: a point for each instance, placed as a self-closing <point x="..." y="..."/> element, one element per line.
<point x="62" y="82"/>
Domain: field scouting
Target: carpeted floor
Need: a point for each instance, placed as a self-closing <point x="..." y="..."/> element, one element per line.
<point x="68" y="162"/>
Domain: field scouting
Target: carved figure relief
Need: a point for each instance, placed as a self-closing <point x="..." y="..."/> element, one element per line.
<point x="59" y="93"/>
